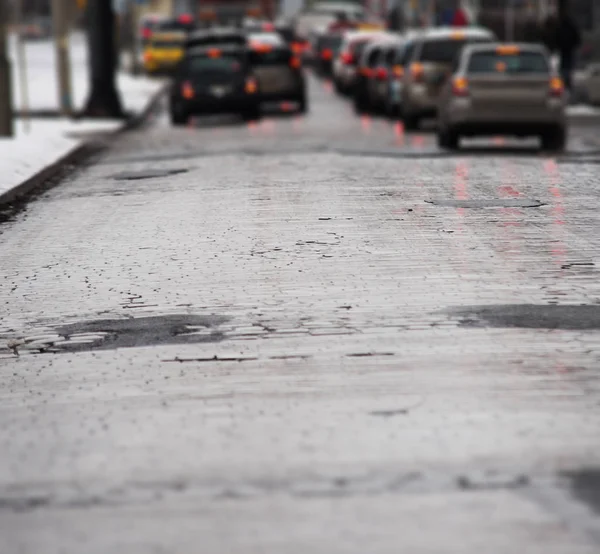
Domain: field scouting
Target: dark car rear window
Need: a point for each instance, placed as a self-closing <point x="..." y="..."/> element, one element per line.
<point x="227" y="63"/>
<point x="358" y="46"/>
<point x="333" y="42"/>
<point x="493" y="62"/>
<point x="276" y="56"/>
<point x="173" y="26"/>
<point x="443" y="51"/>
<point x="168" y="44"/>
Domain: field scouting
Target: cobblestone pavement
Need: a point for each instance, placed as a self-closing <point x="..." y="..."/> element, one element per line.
<point x="304" y="335"/>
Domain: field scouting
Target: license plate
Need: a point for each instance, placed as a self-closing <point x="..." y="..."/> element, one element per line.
<point x="219" y="91"/>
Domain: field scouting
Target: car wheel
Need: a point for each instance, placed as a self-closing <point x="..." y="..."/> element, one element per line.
<point x="302" y="104"/>
<point x="251" y="114"/>
<point x="555" y="140"/>
<point x="178" y="116"/>
<point x="411" y="121"/>
<point x="448" y="138"/>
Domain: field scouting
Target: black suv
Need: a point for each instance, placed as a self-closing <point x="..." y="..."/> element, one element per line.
<point x="213" y="80"/>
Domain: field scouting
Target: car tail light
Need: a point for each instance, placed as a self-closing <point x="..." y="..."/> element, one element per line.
<point x="251" y="86"/>
<point x="417" y="72"/>
<point x="460" y="86"/>
<point x="187" y="90"/>
<point x="297" y="47"/>
<point x="185" y="18"/>
<point x="381" y="74"/>
<point x="146" y="33"/>
<point x="148" y="56"/>
<point x="365" y="72"/>
<point x="326" y="54"/>
<point x="214" y="53"/>
<point x="268" y="27"/>
<point x="557" y="87"/>
<point x="348" y="58"/>
<point x="398" y="71"/>
<point x="295" y="62"/>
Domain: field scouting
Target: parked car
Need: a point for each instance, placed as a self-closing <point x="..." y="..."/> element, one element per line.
<point x="345" y="64"/>
<point x="213" y="80"/>
<point x="427" y="60"/>
<point x="374" y="68"/>
<point x="503" y="89"/>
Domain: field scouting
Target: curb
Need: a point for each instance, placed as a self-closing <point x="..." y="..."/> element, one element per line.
<point x="77" y="154"/>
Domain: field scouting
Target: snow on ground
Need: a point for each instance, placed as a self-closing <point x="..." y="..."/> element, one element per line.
<point x="41" y="142"/>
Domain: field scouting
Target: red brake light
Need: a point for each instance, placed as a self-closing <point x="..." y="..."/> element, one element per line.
<point x="348" y="58"/>
<point x="268" y="26"/>
<point x="381" y="74"/>
<point x="417" y="72"/>
<point x="557" y="87"/>
<point x="185" y="18"/>
<point x="295" y="62"/>
<point x="460" y="86"/>
<point x="251" y="86"/>
<point x="187" y="90"/>
<point x="326" y="54"/>
<point x="146" y="33"/>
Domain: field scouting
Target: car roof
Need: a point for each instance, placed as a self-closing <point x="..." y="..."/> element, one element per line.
<point x="442" y="33"/>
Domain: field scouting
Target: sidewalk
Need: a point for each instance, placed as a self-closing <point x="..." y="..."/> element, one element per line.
<point x="41" y="145"/>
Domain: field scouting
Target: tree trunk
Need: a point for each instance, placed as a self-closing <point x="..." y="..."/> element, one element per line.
<point x="103" y="100"/>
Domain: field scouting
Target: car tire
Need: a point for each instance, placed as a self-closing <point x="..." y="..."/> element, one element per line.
<point x="554" y="140"/>
<point x="411" y="121"/>
<point x="448" y="138"/>
<point x="251" y="114"/>
<point x="178" y="116"/>
<point x="302" y="104"/>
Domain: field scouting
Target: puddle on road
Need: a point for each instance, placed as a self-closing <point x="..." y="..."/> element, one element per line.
<point x="147" y="174"/>
<point x="532" y="316"/>
<point x="486" y="203"/>
<point x="109" y="334"/>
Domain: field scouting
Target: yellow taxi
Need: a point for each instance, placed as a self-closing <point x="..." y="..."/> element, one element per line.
<point x="163" y="52"/>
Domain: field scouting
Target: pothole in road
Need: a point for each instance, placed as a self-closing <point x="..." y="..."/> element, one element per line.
<point x="486" y="203"/>
<point x="532" y="316"/>
<point x="108" y="334"/>
<point x="147" y="174"/>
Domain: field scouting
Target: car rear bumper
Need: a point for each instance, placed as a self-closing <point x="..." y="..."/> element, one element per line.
<point x="279" y="96"/>
<point x="212" y="105"/>
<point x="461" y="113"/>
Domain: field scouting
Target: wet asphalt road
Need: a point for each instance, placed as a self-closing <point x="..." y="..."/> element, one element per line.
<point x="308" y="334"/>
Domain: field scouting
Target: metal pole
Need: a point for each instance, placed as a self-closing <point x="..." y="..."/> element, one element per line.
<point x="22" y="63"/>
<point x="61" y="39"/>
<point x="6" y="113"/>
<point x="134" y="46"/>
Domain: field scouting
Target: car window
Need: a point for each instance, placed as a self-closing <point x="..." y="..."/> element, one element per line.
<point x="203" y="65"/>
<point x="275" y="56"/>
<point x="443" y="51"/>
<point x="407" y="53"/>
<point x="357" y="47"/>
<point x="389" y="56"/>
<point x="166" y="44"/>
<point x="494" y="62"/>
<point x="372" y="57"/>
